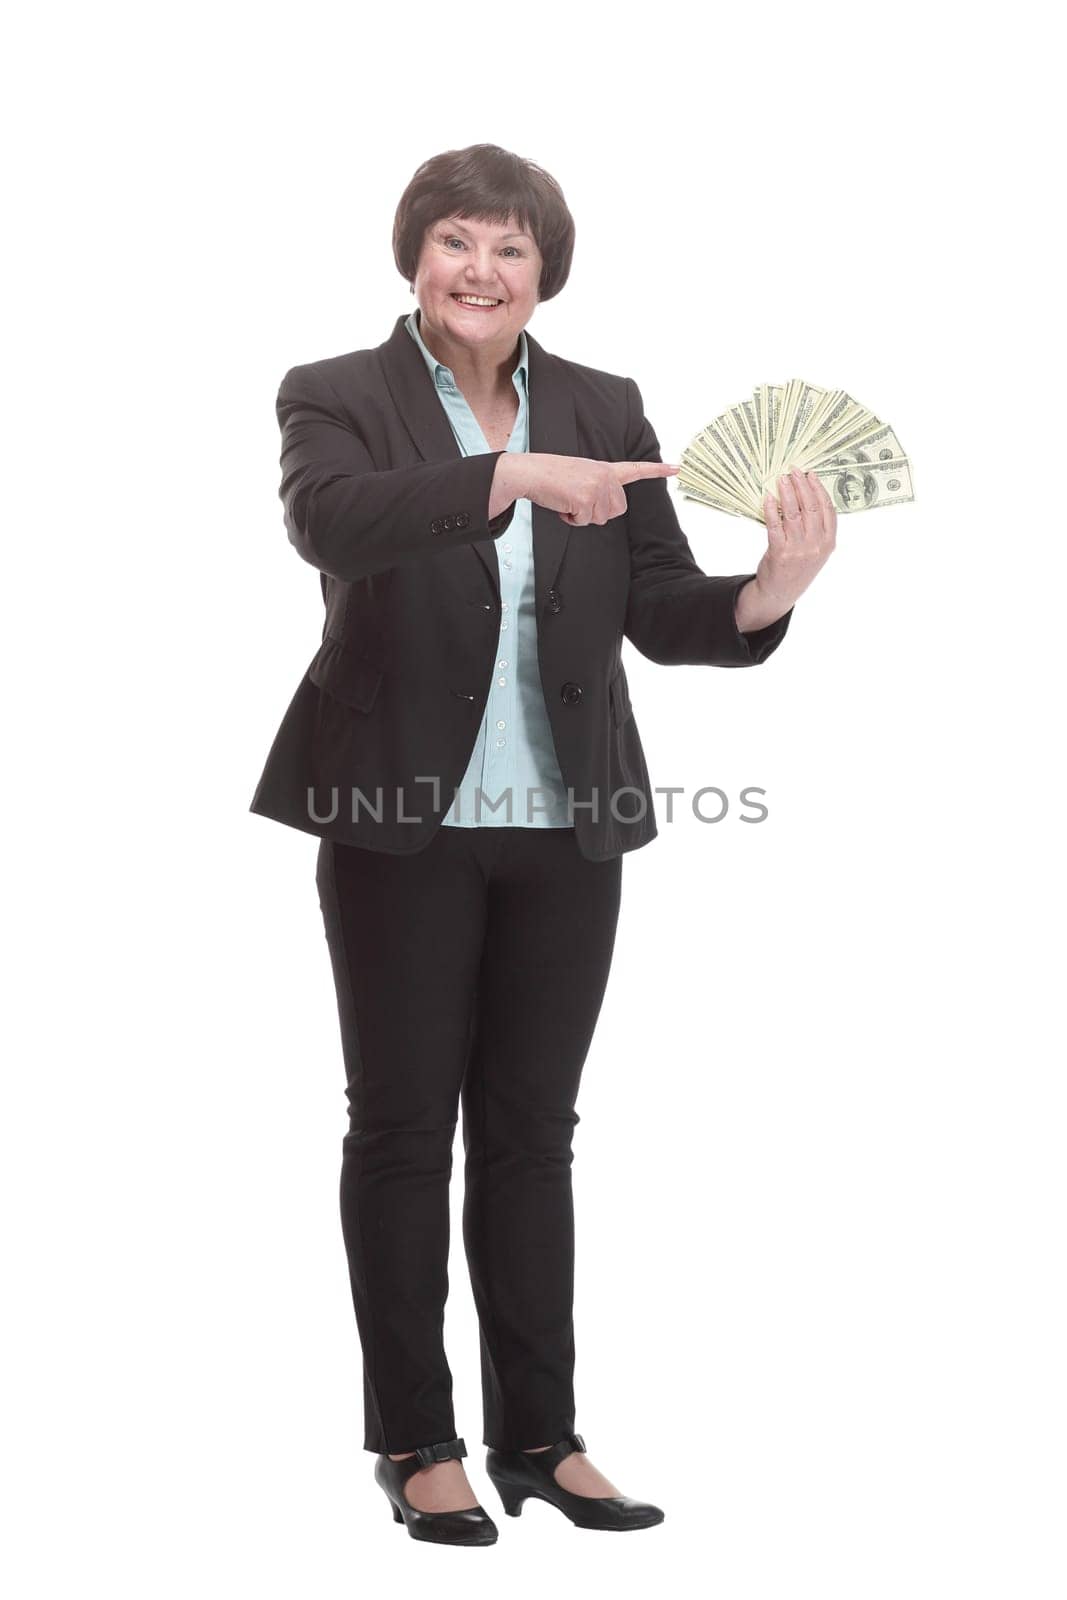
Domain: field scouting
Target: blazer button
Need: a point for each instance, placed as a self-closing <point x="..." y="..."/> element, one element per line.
<point x="571" y="693"/>
<point x="462" y="519"/>
<point x="450" y="522"/>
<point x="554" y="601"/>
<point x="435" y="525"/>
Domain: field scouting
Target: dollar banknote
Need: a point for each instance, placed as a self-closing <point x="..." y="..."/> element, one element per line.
<point x="739" y="456"/>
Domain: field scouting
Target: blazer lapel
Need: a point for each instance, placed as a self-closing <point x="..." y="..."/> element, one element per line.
<point x="553" y="430"/>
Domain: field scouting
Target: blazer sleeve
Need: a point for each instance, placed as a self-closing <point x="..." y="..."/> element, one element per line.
<point x="348" y="518"/>
<point x="676" y="613"/>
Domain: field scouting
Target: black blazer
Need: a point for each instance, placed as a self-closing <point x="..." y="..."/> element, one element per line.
<point x="378" y="497"/>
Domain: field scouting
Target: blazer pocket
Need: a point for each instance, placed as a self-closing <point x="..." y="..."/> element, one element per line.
<point x="344" y="675"/>
<point x="619" y="691"/>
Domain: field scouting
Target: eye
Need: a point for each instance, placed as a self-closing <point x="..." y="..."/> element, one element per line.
<point x="450" y="238"/>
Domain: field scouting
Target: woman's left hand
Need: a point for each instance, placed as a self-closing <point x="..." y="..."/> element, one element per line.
<point x="801" y="536"/>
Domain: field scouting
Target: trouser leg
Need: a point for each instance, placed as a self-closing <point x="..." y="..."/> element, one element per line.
<point x="405" y="935"/>
<point x="549" y="940"/>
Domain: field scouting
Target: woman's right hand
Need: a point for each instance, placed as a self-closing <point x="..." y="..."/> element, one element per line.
<point x="578" y="488"/>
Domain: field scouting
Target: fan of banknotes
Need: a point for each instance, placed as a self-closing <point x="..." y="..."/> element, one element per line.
<point x="736" y="459"/>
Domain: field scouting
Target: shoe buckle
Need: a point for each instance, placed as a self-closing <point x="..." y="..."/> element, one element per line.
<point x="576" y="1441"/>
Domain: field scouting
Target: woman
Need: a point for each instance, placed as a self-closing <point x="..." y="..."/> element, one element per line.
<point x="464" y="747"/>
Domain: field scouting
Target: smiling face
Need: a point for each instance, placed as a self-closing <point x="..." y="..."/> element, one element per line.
<point x="486" y="259"/>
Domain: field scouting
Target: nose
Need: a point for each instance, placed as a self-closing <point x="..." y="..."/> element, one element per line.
<point x="481" y="271"/>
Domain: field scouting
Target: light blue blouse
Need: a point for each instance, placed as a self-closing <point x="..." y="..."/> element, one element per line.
<point x="514" y="752"/>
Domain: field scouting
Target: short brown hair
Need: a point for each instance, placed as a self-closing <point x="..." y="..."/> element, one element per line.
<point x="485" y="182"/>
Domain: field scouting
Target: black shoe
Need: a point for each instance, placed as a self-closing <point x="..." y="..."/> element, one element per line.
<point x="472" y="1525"/>
<point x="519" y="1475"/>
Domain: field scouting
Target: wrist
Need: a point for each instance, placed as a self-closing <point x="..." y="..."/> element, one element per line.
<point x="755" y="607"/>
<point x="507" y="481"/>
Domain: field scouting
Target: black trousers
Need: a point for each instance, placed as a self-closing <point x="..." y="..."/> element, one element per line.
<point x="472" y="971"/>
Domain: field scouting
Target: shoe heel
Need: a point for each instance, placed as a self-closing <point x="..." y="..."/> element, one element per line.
<point x="398" y="1515"/>
<point x="511" y="1499"/>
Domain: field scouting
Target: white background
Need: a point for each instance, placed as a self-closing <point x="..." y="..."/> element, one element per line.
<point x="819" y="1171"/>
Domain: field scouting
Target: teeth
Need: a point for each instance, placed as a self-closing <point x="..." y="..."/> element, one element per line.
<point x="474" y="299"/>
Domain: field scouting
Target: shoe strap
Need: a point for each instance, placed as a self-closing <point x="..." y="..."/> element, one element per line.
<point x="428" y="1454"/>
<point x="550" y="1459"/>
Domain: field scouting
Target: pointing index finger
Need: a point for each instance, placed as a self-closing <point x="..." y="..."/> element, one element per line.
<point x="631" y="471"/>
